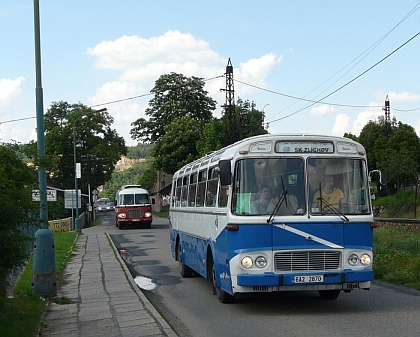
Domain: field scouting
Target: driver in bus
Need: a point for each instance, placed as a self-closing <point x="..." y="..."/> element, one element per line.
<point x="266" y="203"/>
<point x="328" y="197"/>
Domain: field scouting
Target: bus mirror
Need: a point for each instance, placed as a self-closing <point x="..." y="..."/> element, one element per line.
<point x="225" y="173"/>
<point x="381" y="184"/>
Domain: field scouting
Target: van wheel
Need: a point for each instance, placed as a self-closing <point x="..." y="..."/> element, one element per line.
<point x="222" y="295"/>
<point x="184" y="270"/>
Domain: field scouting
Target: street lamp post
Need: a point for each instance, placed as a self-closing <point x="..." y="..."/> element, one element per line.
<point x="264" y="113"/>
<point x="77" y="219"/>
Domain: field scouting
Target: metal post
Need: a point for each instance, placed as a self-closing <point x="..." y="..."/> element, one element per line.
<point x="43" y="271"/>
<point x="77" y="219"/>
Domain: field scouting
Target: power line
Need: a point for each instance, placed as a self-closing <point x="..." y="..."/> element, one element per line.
<point x="346" y="84"/>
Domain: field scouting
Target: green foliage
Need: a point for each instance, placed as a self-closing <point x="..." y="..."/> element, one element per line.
<point x="178" y="146"/>
<point x="17" y="210"/>
<point x="26" y="306"/>
<point x="175" y="96"/>
<point x="98" y="146"/>
<point x="398" y="156"/>
<point x="137" y="174"/>
<point x="212" y="137"/>
<point x="399" y="205"/>
<point x="396" y="255"/>
<point x="139" y="151"/>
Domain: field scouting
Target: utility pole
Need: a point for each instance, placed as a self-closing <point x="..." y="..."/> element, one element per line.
<point x="43" y="271"/>
<point x="233" y="130"/>
<point x="387" y="118"/>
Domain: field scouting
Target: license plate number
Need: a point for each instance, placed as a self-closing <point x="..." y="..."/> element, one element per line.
<point x="309" y="279"/>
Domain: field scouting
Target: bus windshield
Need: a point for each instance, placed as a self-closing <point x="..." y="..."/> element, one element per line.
<point x="134" y="199"/>
<point x="320" y="186"/>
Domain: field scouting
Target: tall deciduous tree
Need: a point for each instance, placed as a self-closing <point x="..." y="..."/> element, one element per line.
<point x="98" y="146"/>
<point x="178" y="146"/>
<point x="17" y="181"/>
<point x="175" y="96"/>
<point x="398" y="156"/>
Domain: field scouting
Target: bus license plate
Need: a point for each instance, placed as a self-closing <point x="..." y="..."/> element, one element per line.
<point x="309" y="279"/>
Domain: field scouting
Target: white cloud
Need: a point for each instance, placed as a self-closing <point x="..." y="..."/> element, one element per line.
<point x="254" y="71"/>
<point x="10" y="89"/>
<point x="403" y="97"/>
<point x="322" y="110"/>
<point x="341" y="124"/>
<point x="138" y="62"/>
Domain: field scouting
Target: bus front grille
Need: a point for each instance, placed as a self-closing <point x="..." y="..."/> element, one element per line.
<point x="135" y="213"/>
<point x="307" y="260"/>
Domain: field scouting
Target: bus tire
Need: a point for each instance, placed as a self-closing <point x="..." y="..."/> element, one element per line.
<point x="329" y="294"/>
<point x="222" y="295"/>
<point x="120" y="225"/>
<point x="184" y="270"/>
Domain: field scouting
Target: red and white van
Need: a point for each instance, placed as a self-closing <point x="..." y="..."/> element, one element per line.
<point x="133" y="207"/>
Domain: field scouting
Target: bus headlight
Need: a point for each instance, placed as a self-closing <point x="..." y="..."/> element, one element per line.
<point x="261" y="262"/>
<point x="147" y="214"/>
<point x="365" y="259"/>
<point x="122" y="215"/>
<point x="246" y="262"/>
<point x="353" y="259"/>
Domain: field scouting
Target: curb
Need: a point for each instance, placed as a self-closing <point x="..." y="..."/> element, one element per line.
<point x="166" y="328"/>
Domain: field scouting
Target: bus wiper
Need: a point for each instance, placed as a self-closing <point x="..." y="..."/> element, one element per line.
<point x="283" y="198"/>
<point x="328" y="207"/>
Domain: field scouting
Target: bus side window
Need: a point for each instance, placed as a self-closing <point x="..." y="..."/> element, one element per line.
<point x="201" y="192"/>
<point x="212" y="183"/>
<point x="184" y="192"/>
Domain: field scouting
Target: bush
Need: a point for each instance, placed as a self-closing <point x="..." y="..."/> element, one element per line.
<point x="16" y="184"/>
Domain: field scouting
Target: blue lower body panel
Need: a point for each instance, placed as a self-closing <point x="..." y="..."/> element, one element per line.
<point x="271" y="279"/>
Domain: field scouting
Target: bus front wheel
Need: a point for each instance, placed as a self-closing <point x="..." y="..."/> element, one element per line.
<point x="222" y="295"/>
<point x="184" y="270"/>
<point x="329" y="294"/>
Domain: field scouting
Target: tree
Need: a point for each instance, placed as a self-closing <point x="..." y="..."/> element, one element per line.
<point x="98" y="146"/>
<point x="251" y="119"/>
<point x="398" y="156"/>
<point x="178" y="146"/>
<point x="17" y="181"/>
<point x="175" y="96"/>
<point x="212" y="137"/>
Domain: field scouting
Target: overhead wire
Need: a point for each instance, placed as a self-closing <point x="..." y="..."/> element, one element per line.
<point x="346" y="84"/>
<point x="364" y="54"/>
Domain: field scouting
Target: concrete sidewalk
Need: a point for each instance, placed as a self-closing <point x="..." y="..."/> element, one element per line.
<point x="105" y="301"/>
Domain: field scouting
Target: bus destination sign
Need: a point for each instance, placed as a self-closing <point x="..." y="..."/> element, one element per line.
<point x="304" y="147"/>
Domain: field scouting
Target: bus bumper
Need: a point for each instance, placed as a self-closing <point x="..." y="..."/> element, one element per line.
<point x="271" y="279"/>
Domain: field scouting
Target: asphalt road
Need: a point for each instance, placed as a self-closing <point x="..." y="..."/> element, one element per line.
<point x="191" y="308"/>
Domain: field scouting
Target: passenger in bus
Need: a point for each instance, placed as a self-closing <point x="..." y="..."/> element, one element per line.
<point x="328" y="196"/>
<point x="267" y="203"/>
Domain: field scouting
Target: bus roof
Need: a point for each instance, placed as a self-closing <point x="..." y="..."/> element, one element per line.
<point x="229" y="151"/>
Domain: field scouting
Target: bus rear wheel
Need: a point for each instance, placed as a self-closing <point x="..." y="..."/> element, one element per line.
<point x="184" y="270"/>
<point x="222" y="295"/>
<point x="329" y="294"/>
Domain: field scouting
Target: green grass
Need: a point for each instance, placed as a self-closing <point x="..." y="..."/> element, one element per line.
<point x="397" y="255"/>
<point x="21" y="315"/>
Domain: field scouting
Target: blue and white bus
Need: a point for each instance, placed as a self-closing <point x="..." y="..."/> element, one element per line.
<point x="302" y="240"/>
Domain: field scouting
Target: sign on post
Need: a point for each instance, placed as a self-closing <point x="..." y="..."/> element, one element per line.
<point x="51" y="195"/>
<point x="70" y="198"/>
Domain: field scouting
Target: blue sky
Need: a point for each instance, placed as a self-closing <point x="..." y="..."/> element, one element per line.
<point x="96" y="52"/>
